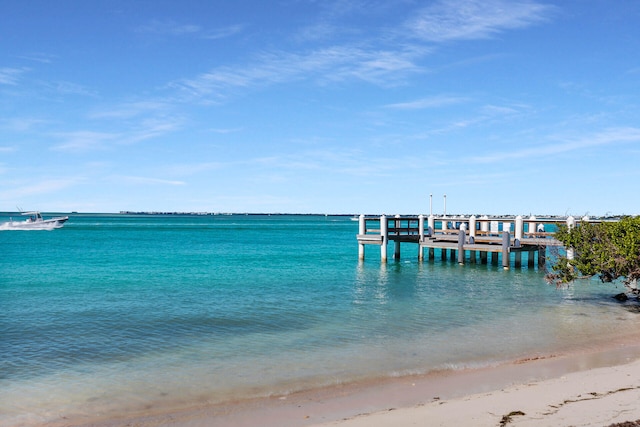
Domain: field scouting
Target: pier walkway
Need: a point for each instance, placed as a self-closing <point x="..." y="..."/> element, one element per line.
<point x="455" y="237"/>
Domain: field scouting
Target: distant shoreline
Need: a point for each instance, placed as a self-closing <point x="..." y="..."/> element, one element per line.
<point x="207" y="213"/>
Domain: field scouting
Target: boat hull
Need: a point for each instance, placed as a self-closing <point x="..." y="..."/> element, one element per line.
<point x="41" y="224"/>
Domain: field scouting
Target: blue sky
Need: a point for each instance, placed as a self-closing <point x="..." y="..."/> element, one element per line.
<point x="321" y="106"/>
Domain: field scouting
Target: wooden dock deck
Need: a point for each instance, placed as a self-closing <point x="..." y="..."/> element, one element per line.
<point x="464" y="238"/>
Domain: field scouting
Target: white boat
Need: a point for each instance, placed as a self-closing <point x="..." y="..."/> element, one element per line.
<point x="34" y="222"/>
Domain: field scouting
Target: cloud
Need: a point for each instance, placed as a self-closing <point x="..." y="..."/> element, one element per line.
<point x="430" y="102"/>
<point x="152" y="128"/>
<point x="226" y="131"/>
<point x="43" y="58"/>
<point x="174" y="29"/>
<point x="448" y="20"/>
<point x="84" y="140"/>
<point x="336" y="63"/>
<point x="130" y="109"/>
<point x="147" y="180"/>
<point x="194" y="168"/>
<point x="384" y="57"/>
<point x="10" y="76"/>
<point x="221" y="33"/>
<point x="606" y="137"/>
<point x="498" y="110"/>
<point x="79" y="141"/>
<point x="69" y="88"/>
<point x="20" y="124"/>
<point x="47" y="187"/>
<point x="168" y="27"/>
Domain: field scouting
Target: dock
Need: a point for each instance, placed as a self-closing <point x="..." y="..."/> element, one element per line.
<point x="465" y="239"/>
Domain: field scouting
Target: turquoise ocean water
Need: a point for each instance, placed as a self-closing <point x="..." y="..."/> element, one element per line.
<point x="122" y="313"/>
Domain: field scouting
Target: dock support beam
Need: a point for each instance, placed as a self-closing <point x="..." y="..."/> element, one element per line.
<point x="505" y="249"/>
<point x="461" y="238"/>
<point x="421" y="233"/>
<point x="396" y="252"/>
<point x="542" y="251"/>
<point x="518" y="259"/>
<point x="361" y="230"/>
<point x="385" y="236"/>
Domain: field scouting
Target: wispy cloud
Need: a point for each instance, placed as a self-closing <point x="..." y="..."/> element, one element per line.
<point x="194" y="168"/>
<point x="172" y="28"/>
<point x="334" y="18"/>
<point x="226" y="131"/>
<point x="221" y="33"/>
<point x="331" y="162"/>
<point x="84" y="140"/>
<point x="385" y="57"/>
<point x="68" y="88"/>
<point x="130" y="109"/>
<point x="19" y="124"/>
<point x="169" y="27"/>
<point x="606" y="137"/>
<point x="87" y="140"/>
<point x="11" y="76"/>
<point x="147" y="180"/>
<point x="47" y="186"/>
<point x="318" y="32"/>
<point x="153" y="128"/>
<point x="337" y="63"/>
<point x="43" y="58"/>
<point x="430" y="102"/>
<point x="448" y="20"/>
<point x="501" y="110"/>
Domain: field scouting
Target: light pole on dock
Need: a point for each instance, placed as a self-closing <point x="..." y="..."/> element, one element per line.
<point x="445" y="205"/>
<point x="430" y="204"/>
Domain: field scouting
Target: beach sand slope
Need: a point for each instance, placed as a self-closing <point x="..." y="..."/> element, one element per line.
<point x="597" y="397"/>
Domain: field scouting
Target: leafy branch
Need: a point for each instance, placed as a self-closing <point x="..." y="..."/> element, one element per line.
<point x="610" y="250"/>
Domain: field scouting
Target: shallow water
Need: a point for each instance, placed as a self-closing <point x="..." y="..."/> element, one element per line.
<point x="122" y="313"/>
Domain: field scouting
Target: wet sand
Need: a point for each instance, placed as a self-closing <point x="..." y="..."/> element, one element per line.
<point x="581" y="389"/>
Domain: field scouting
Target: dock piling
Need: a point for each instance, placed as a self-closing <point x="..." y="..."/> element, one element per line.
<point x="385" y="237"/>
<point x="362" y="230"/>
<point x="505" y="249"/>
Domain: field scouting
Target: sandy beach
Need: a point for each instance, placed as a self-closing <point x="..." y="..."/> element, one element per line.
<point x="596" y="388"/>
<point x="596" y="397"/>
